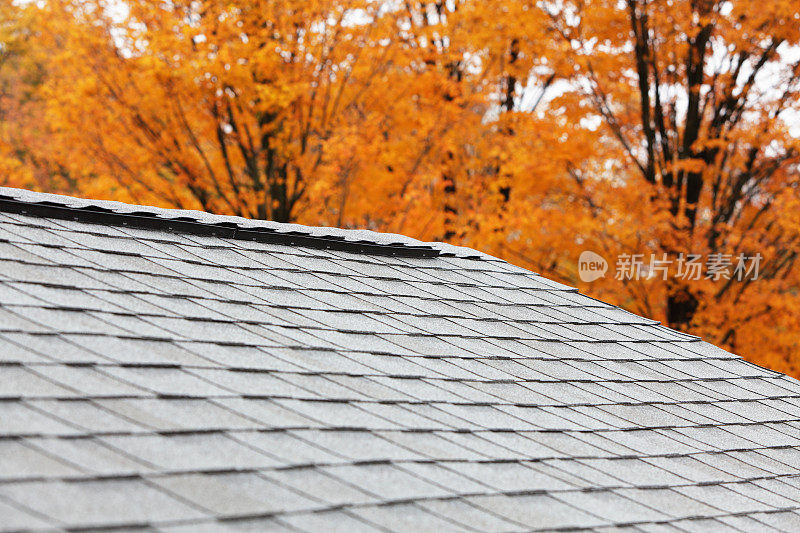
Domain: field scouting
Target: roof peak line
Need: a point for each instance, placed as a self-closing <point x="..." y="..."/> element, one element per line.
<point x="150" y="218"/>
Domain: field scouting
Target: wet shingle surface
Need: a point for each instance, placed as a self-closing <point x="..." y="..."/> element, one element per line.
<point x="166" y="381"/>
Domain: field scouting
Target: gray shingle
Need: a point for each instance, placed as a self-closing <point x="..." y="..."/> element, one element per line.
<point x="264" y="523"/>
<point x="541" y="511"/>
<point x="635" y="472"/>
<point x="785" y="521"/>
<point x="320" y="486"/>
<point x="724" y="498"/>
<point x="20" y="461"/>
<point x="16" y="518"/>
<point x="480" y="444"/>
<point x="514" y="477"/>
<point x="250" y="383"/>
<point x="92" y="381"/>
<point x="135" y="351"/>
<point x="769" y="492"/>
<point x="387" y="481"/>
<point x="470" y="515"/>
<point x="212" y="451"/>
<point x="357" y="445"/>
<point x="446" y="476"/>
<point x="249" y="357"/>
<point x="86" y="415"/>
<point x="337" y="414"/>
<point x="177" y="414"/>
<point x="234" y="494"/>
<point x="267" y="413"/>
<point x="11" y="352"/>
<point x="94" y="503"/>
<point x="406" y="517"/>
<point x="173" y="381"/>
<point x="431" y="445"/>
<point x="90" y="456"/>
<point x="609" y="505"/>
<point x="336" y="521"/>
<point x="669" y="501"/>
<point x="16" y="418"/>
<point x="691" y="469"/>
<point x="414" y="416"/>
<point x="287" y="448"/>
<point x="21" y="382"/>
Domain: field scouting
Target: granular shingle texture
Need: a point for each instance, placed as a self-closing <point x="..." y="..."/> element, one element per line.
<point x="174" y="381"/>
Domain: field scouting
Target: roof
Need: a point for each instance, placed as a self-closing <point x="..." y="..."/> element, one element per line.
<point x="174" y="370"/>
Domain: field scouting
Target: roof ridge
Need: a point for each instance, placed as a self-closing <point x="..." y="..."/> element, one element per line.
<point x="108" y="212"/>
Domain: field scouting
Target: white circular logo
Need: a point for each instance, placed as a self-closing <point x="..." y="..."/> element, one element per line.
<point x="591" y="266"/>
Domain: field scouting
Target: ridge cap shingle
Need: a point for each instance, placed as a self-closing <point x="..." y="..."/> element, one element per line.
<point x="185" y="217"/>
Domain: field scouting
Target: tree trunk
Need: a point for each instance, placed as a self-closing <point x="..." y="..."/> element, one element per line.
<point x="681" y="307"/>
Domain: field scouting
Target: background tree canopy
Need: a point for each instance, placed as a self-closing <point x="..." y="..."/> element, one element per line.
<point x="529" y="130"/>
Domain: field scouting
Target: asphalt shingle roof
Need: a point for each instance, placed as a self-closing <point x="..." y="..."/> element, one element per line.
<point x="181" y="380"/>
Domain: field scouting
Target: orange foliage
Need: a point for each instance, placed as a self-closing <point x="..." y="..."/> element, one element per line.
<point x="531" y="130"/>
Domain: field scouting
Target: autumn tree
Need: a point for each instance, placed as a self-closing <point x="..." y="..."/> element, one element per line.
<point x="23" y="139"/>
<point x="692" y="103"/>
<point x="263" y="109"/>
<point x="341" y="112"/>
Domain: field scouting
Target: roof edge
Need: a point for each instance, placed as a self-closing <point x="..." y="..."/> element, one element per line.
<point x="21" y="201"/>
